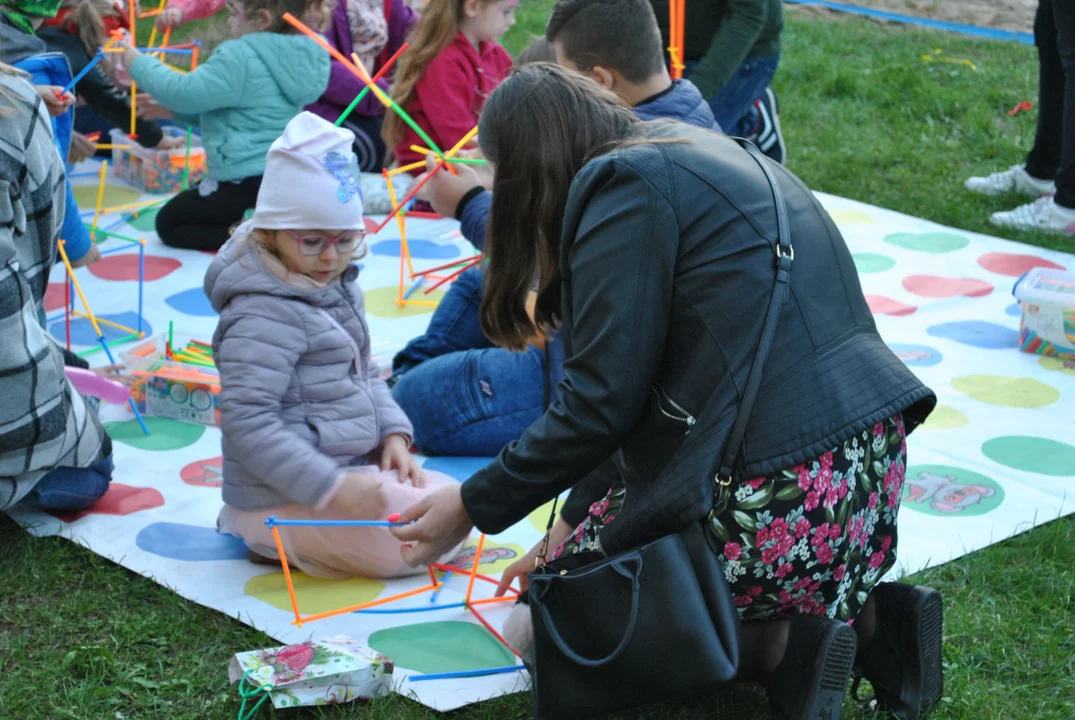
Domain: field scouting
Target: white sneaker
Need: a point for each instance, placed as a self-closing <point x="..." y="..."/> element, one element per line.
<point x="1014" y="179"/>
<point x="1043" y="214"/>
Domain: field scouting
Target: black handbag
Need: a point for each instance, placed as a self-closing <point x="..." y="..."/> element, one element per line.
<point x="653" y="623"/>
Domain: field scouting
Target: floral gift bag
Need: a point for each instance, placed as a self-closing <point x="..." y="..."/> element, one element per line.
<point x="323" y="672"/>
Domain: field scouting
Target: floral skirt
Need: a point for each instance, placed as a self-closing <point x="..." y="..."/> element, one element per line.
<point x="815" y="538"/>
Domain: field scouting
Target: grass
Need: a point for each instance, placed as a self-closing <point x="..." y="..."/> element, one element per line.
<point x="865" y="118"/>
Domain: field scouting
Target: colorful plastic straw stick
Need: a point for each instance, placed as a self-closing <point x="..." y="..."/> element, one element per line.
<point x="115" y="341"/>
<point x="273" y="520"/>
<point x="107" y="233"/>
<point x="110" y="146"/>
<point x="403" y="611"/>
<point x="287" y="575"/>
<point x="74" y="81"/>
<point x="141" y="205"/>
<point x="100" y="199"/>
<point x="467" y="673"/>
<point x="474" y="568"/>
<point x="109" y="323"/>
<point x="134" y="112"/>
<point x="404" y="251"/>
<point x="173" y="50"/>
<point x="371" y="603"/>
<point x="494" y="600"/>
<point x="373" y="81"/>
<point x="153" y="33"/>
<point x="453" y="264"/>
<point x="489" y="627"/>
<point x="453" y="276"/>
<point x="406" y="168"/>
<point x="462" y="161"/>
<point x="141" y="278"/>
<point x="67" y="308"/>
<point x="443" y="580"/>
<point x="486" y="578"/>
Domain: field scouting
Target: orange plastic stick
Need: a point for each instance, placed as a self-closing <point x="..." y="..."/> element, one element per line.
<point x="497" y="635"/>
<point x="371" y="603"/>
<point x="486" y="578"/>
<point x="492" y="600"/>
<point x="474" y="567"/>
<point x="287" y="574"/>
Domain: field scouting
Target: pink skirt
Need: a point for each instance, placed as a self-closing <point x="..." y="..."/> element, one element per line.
<point x="335" y="552"/>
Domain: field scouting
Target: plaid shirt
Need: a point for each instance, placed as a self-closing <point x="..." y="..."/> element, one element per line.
<point x="44" y="422"/>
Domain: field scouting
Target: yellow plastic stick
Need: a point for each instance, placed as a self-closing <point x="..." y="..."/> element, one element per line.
<point x="474" y="568"/>
<point x="100" y="198"/>
<point x="134" y="102"/>
<point x="287" y="574"/>
<point x="406" y="168"/>
<point x="78" y="289"/>
<point x="105" y="322"/>
<point x="153" y="34"/>
<point x="131" y="206"/>
<point x="110" y="146"/>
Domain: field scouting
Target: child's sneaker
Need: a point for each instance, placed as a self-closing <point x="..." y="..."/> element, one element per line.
<point x="1043" y="214"/>
<point x="1014" y="179"/>
<point x="769" y="137"/>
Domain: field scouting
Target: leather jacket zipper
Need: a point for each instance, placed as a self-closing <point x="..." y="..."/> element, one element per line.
<point x="683" y="417"/>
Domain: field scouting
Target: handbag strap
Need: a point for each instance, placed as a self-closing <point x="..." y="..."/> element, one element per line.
<point x="784" y="256"/>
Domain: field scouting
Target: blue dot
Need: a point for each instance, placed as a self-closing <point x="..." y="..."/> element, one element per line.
<point x="191" y="302"/>
<point x="917" y="355"/>
<point x="189" y="542"/>
<point x="82" y="332"/>
<point x="419" y="249"/>
<point x="1015" y="310"/>
<point x="977" y="333"/>
<point x="460" y="468"/>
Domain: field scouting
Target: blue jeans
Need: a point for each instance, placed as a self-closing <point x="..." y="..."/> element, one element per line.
<point x="68" y="488"/>
<point x="464" y="395"/>
<point x="733" y="105"/>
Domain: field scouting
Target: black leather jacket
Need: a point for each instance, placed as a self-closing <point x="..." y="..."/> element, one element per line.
<point x="668" y="260"/>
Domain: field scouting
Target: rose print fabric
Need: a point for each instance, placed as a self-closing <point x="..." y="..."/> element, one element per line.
<point x="815" y="538"/>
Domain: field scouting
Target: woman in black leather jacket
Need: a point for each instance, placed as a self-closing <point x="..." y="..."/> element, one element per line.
<point x="652" y="247"/>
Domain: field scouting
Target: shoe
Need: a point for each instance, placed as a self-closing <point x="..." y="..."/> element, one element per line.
<point x="1043" y="215"/>
<point x="769" y="138"/>
<point x="810" y="681"/>
<point x="903" y="660"/>
<point x="1014" y="179"/>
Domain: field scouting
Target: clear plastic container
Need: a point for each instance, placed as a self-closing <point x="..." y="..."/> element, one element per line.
<point x="157" y="171"/>
<point x="173" y="388"/>
<point x="1047" y="326"/>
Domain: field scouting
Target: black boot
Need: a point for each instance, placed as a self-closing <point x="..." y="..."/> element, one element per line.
<point x="903" y="659"/>
<point x="810" y="681"/>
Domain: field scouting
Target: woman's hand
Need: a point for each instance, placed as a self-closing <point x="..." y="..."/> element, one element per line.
<point x="55" y="103"/>
<point x="518" y="569"/>
<point x="170" y="142"/>
<point x="442" y="523"/>
<point x="82" y="148"/>
<point x="444" y="190"/>
<point x="115" y="374"/>
<point x="360" y="497"/>
<point x="396" y="455"/>
<point x="169" y="18"/>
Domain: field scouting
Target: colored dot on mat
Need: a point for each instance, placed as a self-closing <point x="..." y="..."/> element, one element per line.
<point x="1057" y="365"/>
<point x="872" y="262"/>
<point x="419" y="249"/>
<point x="446" y="646"/>
<point x="315" y="595"/>
<point x="82" y="332"/>
<point x="933" y="286"/>
<point x="381" y="302"/>
<point x="881" y="305"/>
<point x="937" y="243"/>
<point x="1004" y="391"/>
<point x="146" y="220"/>
<point x="1032" y="454"/>
<point x="1014" y="264"/>
<point x="540" y="518"/>
<point x="850" y="217"/>
<point x="114" y="196"/>
<point x="189" y="542"/>
<point x="371" y="226"/>
<point x="460" y="468"/>
<point x="125" y="267"/>
<point x="950" y="492"/>
<point x="976" y="333"/>
<point x="1014" y="310"/>
<point x="203" y="473"/>
<point x="191" y="302"/>
<point x="917" y="355"/>
<point x="944" y="417"/>
<point x="119" y="500"/>
<point x="54" y="297"/>
<point x="496" y="557"/>
<point x="164" y="433"/>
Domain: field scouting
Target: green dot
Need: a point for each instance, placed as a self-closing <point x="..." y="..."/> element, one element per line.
<point x="949" y="492"/>
<point x="164" y="433"/>
<point x="1032" y="454"/>
<point x="872" y="262"/>
<point x="146" y="220"/>
<point x="937" y="243"/>
<point x="449" y="646"/>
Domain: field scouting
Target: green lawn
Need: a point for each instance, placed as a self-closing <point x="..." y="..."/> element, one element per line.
<point x="865" y="118"/>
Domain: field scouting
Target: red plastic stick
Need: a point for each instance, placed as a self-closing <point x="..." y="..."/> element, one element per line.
<point x="497" y="635"/>
<point x="454" y="263"/>
<point x="453" y="276"/>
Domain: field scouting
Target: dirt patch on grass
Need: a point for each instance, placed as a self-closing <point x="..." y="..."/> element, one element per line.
<point x="1005" y="14"/>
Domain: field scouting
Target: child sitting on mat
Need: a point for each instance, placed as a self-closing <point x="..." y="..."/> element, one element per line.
<point x="243" y="97"/>
<point x="451" y="66"/>
<point x="310" y="430"/>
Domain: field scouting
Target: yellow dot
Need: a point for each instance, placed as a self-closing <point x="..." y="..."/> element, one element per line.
<point x="1051" y="363"/>
<point x="114" y="196"/>
<point x="384" y="302"/>
<point x="850" y="217"/>
<point x="314" y="595"/>
<point x="944" y="417"/>
<point x="1004" y="391"/>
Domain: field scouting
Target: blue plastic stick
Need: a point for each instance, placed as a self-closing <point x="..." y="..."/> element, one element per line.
<point x="116" y="224"/>
<point x="141" y="280"/>
<point x="82" y="175"/>
<point x="468" y="673"/>
<point x="401" y="611"/>
<point x="333" y="523"/>
<point x="130" y="401"/>
<point x="89" y="66"/>
<point x="436" y="592"/>
<point x="113" y="250"/>
<point x="417" y="284"/>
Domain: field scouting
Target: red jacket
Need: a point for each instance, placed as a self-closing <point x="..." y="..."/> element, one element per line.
<point x="450" y="95"/>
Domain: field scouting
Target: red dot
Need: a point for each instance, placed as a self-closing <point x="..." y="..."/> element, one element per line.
<point x="370" y="225"/>
<point x="54" y="297"/>
<point x="881" y="305"/>
<point x="125" y="267"/>
<point x="933" y="286"/>
<point x="1013" y="264"/>
<point x="203" y="473"/>
<point x="119" y="500"/>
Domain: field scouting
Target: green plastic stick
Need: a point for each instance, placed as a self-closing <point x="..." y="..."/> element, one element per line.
<point x="170" y="343"/>
<point x="468" y="161"/>
<point x="350" y="108"/>
<point x="414" y="126"/>
<point x="186" y="168"/>
<point x="99" y="348"/>
<point x="113" y="235"/>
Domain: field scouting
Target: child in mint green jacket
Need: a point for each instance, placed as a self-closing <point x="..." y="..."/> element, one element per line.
<point x="242" y="97"/>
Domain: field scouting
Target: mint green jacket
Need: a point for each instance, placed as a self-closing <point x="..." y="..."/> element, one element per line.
<point x="242" y="97"/>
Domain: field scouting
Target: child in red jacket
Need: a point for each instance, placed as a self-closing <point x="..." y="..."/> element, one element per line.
<point x="451" y="66"/>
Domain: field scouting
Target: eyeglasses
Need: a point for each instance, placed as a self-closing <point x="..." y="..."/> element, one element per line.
<point x="315" y="244"/>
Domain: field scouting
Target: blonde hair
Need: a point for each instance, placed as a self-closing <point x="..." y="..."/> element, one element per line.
<point x="5" y="110"/>
<point x="435" y="29"/>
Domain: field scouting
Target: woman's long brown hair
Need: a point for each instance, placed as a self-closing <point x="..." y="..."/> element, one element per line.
<point x="538" y="128"/>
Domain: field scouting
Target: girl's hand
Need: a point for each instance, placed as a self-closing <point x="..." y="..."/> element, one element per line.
<point x="361" y="497"/>
<point x="130" y="53"/>
<point x="150" y="109"/>
<point x="89" y="258"/>
<point x="115" y="374"/>
<point x="396" y="455"/>
<point x="442" y="524"/>
<point x="55" y="103"/>
<point x="518" y="569"/>
<point x="82" y="148"/>
<point x="170" y="18"/>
